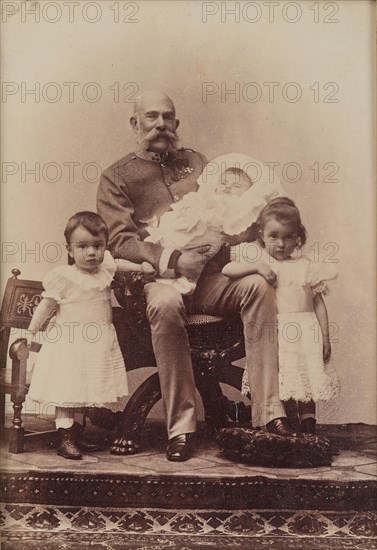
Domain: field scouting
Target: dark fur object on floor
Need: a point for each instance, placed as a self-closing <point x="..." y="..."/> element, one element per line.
<point x="261" y="448"/>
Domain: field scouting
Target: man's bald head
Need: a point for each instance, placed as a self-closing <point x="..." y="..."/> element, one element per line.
<point x="154" y="121"/>
<point x="152" y="97"/>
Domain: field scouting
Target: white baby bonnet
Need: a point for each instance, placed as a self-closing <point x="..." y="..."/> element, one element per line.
<point x="242" y="210"/>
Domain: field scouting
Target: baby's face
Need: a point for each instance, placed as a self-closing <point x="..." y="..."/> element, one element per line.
<point x="232" y="184"/>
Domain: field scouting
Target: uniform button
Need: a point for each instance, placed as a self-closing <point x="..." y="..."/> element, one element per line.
<point x="176" y="198"/>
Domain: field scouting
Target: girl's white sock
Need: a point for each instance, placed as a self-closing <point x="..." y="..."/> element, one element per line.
<point x="64" y="417"/>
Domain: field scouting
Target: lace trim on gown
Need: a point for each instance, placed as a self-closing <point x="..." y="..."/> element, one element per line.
<point x="304" y="385"/>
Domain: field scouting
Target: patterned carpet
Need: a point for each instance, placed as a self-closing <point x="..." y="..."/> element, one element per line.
<point x="42" y="527"/>
<point x="51" y="541"/>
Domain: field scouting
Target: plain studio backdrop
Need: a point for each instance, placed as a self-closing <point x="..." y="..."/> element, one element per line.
<point x="289" y="83"/>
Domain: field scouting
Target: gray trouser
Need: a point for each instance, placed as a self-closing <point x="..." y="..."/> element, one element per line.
<point x="254" y="298"/>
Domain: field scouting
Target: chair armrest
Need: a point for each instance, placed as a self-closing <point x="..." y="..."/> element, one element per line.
<point x="19" y="354"/>
<point x="16" y="348"/>
<point x="19" y="350"/>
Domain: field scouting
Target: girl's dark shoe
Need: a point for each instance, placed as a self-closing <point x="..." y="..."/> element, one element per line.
<point x="66" y="445"/>
<point x="103" y="418"/>
<point x="294" y="424"/>
<point x="308" y="426"/>
<point x="83" y="444"/>
<point x="291" y="410"/>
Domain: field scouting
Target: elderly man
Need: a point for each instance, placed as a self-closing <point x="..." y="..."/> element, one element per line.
<point x="142" y="186"/>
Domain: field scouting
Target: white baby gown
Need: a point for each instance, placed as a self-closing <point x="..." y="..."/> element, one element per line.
<point x="80" y="362"/>
<point x="303" y="376"/>
<point x="200" y="217"/>
<point x="237" y="213"/>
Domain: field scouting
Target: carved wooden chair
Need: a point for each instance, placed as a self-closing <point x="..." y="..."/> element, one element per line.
<point x="215" y="343"/>
<point x="21" y="297"/>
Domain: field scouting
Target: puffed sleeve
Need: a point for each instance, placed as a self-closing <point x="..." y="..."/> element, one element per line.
<point x="108" y="266"/>
<point x="54" y="284"/>
<point x="319" y="272"/>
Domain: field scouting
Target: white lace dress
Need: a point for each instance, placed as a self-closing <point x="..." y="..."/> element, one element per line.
<point x="80" y="362"/>
<point x="302" y="373"/>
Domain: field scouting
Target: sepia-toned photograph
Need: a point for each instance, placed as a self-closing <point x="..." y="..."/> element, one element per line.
<point x="188" y="289"/>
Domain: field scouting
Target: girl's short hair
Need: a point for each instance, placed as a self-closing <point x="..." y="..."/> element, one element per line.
<point x="284" y="211"/>
<point x="91" y="221"/>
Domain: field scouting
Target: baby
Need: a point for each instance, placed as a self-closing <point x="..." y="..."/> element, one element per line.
<point x="233" y="181"/>
<point x="227" y="202"/>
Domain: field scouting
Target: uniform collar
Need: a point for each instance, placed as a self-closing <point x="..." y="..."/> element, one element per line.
<point x="150" y="155"/>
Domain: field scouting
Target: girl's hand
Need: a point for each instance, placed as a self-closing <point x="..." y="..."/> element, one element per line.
<point x="148" y="268"/>
<point x="127" y="265"/>
<point x="326" y="351"/>
<point x="29" y="338"/>
<point x="266" y="272"/>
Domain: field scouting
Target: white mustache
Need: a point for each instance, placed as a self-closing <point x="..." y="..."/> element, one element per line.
<point x="145" y="138"/>
<point x="153" y="134"/>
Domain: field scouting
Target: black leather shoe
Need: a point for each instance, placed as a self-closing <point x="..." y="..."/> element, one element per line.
<point x="66" y="445"/>
<point x="179" y="448"/>
<point x="280" y="426"/>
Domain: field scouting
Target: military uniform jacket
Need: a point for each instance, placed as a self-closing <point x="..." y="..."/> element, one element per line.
<point x="134" y="191"/>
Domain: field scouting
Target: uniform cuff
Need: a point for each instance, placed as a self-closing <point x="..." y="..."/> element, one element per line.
<point x="168" y="262"/>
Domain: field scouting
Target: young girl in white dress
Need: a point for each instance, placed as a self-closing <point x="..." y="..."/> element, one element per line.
<point x="80" y="363"/>
<point x="306" y="374"/>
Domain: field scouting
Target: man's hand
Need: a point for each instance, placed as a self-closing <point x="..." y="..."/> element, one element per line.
<point x="266" y="272"/>
<point x="191" y="262"/>
<point x="250" y="234"/>
<point x="326" y="351"/>
<point x="231" y="240"/>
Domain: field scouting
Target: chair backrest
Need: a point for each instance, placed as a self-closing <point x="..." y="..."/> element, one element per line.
<point x="21" y="297"/>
